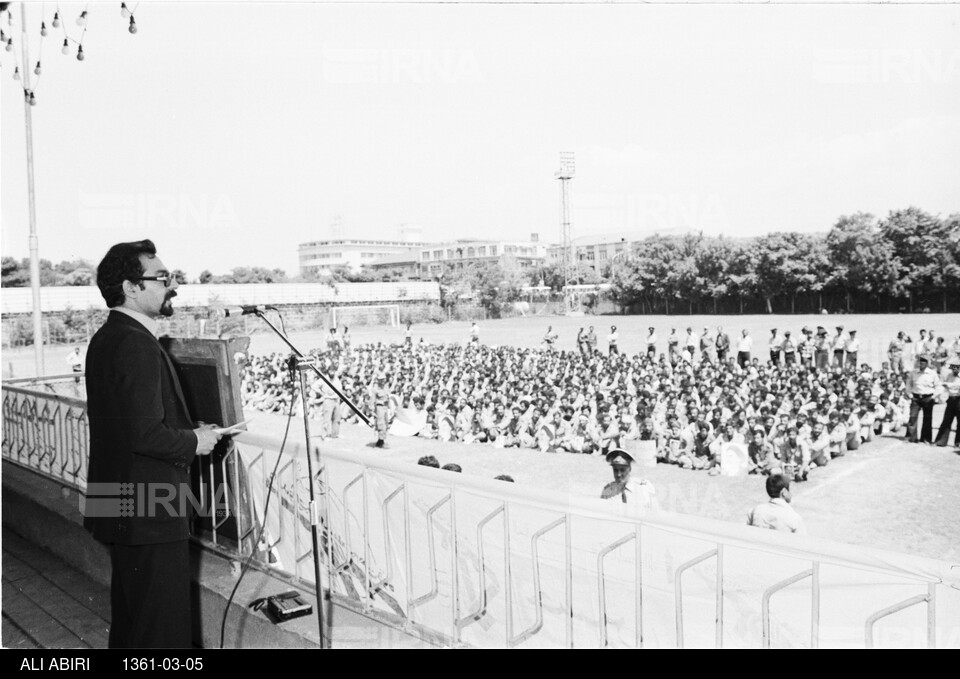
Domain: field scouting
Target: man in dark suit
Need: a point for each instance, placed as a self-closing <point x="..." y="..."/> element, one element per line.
<point x="143" y="438"/>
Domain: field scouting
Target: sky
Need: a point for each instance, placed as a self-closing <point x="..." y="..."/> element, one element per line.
<point x="230" y="132"/>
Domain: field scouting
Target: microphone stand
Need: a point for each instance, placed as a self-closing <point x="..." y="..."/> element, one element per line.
<point x="302" y="365"/>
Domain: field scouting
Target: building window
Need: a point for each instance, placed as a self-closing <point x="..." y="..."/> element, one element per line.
<point x="449" y="254"/>
<point x="438" y="254"/>
<point x="471" y="252"/>
<point x="493" y="250"/>
<point x="426" y="256"/>
<point x="482" y="251"/>
<point x="603" y="255"/>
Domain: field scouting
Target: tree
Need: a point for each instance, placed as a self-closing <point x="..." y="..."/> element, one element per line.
<point x="950" y="257"/>
<point x="781" y="267"/>
<point x="919" y="242"/>
<point x="499" y="283"/>
<point x="14" y="275"/>
<point x="205" y="277"/>
<point x="861" y="259"/>
<point x="251" y="274"/>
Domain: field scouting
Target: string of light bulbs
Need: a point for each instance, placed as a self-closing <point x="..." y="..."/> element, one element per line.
<point x="58" y="22"/>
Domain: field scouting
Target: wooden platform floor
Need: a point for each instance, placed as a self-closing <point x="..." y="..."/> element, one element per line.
<point x="48" y="603"/>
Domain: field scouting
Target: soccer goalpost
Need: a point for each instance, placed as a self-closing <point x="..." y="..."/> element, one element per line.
<point x="370" y="314"/>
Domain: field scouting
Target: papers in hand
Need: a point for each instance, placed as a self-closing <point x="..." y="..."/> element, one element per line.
<point x="232" y="429"/>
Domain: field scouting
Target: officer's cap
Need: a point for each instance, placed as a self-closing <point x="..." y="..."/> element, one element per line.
<point x="619" y="457"/>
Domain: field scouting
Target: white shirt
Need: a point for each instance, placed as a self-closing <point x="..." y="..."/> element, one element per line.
<point x="639" y="494"/>
<point x="745" y="344"/>
<point x="776" y="515"/>
<point x="952" y="385"/>
<point x="923" y="382"/>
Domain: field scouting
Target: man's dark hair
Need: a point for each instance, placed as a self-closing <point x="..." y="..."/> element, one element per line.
<point x="122" y="263"/>
<point x="504" y="477"/>
<point x="453" y="467"/>
<point x="429" y="461"/>
<point x="776" y="484"/>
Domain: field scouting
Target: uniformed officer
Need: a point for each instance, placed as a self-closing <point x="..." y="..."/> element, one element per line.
<point x="922" y="386"/>
<point x="637" y="493"/>
<point x="380" y="396"/>
<point x="952" y="386"/>
<point x="330" y="411"/>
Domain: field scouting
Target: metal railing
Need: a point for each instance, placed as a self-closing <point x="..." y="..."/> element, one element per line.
<point x="48" y="433"/>
<point x="814" y="574"/>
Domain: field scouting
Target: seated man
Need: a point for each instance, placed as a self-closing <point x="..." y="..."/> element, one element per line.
<point x="837" y="431"/>
<point x="794" y="456"/>
<point x="760" y="455"/>
<point x="818" y="443"/>
<point x="777" y="514"/>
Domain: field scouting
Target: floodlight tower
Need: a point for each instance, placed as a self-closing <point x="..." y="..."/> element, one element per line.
<point x="567" y="256"/>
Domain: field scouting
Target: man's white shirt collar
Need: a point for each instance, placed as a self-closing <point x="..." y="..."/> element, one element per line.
<point x="150" y="324"/>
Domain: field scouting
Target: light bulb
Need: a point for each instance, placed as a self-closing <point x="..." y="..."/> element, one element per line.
<point x="133" y="25"/>
<point x="16" y="73"/>
<point x="36" y="71"/>
<point x="33" y="100"/>
<point x="56" y="19"/>
<point x="80" y="55"/>
<point x="82" y="19"/>
<point x="124" y="12"/>
<point x="43" y="29"/>
<point x="66" y="47"/>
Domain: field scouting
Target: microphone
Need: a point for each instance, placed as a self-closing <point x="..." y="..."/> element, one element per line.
<point x="242" y="310"/>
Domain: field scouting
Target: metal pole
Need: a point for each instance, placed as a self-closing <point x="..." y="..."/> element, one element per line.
<point x="568" y="578"/>
<point x="32" y="202"/>
<point x="314" y="519"/>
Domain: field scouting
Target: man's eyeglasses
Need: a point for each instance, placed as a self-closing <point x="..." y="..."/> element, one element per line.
<point x="166" y="279"/>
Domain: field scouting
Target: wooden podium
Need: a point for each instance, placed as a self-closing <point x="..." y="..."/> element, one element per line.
<point x="210" y="379"/>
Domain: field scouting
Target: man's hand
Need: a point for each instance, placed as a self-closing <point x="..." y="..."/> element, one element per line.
<point x="612" y="489"/>
<point x="207" y="438"/>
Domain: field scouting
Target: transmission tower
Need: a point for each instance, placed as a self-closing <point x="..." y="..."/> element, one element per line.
<point x="568" y="265"/>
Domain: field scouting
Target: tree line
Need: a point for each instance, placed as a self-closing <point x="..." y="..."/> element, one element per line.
<point x="909" y="261"/>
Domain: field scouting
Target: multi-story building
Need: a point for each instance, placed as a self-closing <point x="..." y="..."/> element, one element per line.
<point x="596" y="251"/>
<point x="321" y="255"/>
<point x="436" y="258"/>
